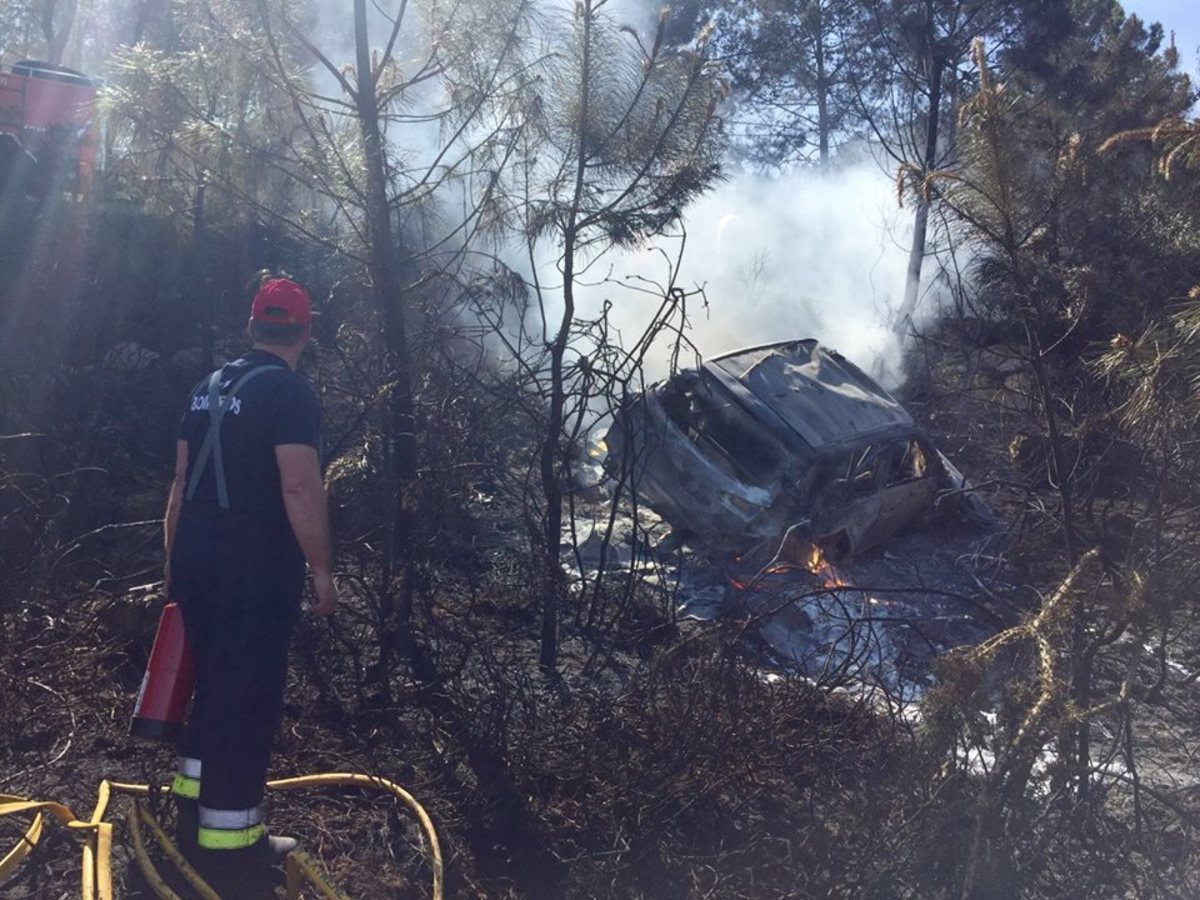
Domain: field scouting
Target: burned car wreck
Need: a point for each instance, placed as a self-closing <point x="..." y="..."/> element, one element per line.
<point x="782" y="439"/>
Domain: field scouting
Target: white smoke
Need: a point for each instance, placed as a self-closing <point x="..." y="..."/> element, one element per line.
<point x="796" y="256"/>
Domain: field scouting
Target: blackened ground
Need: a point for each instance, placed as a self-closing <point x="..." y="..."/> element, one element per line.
<point x="691" y="777"/>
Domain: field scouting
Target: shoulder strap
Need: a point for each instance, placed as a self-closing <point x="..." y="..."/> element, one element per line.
<point x="211" y="446"/>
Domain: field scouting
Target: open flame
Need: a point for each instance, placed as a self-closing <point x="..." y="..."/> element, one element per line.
<point x="814" y="619"/>
<point x="816" y="563"/>
<point x="812" y="560"/>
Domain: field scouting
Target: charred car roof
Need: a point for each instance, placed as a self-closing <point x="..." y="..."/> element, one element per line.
<point x="814" y="392"/>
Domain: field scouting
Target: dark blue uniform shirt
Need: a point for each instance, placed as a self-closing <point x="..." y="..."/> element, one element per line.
<point x="275" y="407"/>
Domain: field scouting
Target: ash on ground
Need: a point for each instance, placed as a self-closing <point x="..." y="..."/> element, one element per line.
<point x="880" y="619"/>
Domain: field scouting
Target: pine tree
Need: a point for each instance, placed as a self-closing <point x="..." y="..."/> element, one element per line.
<point x="791" y="64"/>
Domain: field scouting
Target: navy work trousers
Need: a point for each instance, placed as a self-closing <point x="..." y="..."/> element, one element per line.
<point x="239" y="589"/>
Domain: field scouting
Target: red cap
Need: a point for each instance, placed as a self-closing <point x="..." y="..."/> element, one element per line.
<point x="281" y="301"/>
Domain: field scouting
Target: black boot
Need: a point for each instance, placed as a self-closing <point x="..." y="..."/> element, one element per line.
<point x="239" y="874"/>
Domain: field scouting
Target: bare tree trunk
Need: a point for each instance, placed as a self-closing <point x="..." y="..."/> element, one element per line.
<point x="145" y="11"/>
<point x="916" y="257"/>
<point x="206" y="300"/>
<point x="398" y="418"/>
<point x="1058" y="456"/>
<point x="550" y="464"/>
<point x="552" y="449"/>
<point x="1081" y="654"/>
<point x="823" y="124"/>
<point x="57" y="38"/>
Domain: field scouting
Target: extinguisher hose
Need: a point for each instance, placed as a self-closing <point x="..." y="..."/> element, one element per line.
<point x="97" y="882"/>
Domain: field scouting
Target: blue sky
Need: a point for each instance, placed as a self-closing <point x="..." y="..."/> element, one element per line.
<point x="1180" y="16"/>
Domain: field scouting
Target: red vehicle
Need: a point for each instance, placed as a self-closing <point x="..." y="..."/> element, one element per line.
<point x="48" y="133"/>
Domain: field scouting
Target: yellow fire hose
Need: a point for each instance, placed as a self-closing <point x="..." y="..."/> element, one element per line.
<point x="97" y="834"/>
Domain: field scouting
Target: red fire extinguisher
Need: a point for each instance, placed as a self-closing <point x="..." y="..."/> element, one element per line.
<point x="167" y="685"/>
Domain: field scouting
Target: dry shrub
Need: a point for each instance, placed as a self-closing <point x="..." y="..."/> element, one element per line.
<point x="688" y="776"/>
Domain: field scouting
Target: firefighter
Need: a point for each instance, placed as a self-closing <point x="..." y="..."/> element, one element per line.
<point x="246" y="510"/>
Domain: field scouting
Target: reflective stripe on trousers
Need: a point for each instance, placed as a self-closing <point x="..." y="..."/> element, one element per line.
<point x="231" y="829"/>
<point x="220" y="829"/>
<point x="187" y="778"/>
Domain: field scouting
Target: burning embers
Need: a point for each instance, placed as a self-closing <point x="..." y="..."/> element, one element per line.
<point x="819" y="565"/>
<point x="810" y="559"/>
<point x="819" y="624"/>
<point x="876" y="620"/>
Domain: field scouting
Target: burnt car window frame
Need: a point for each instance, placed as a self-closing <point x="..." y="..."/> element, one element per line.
<point x="714" y="419"/>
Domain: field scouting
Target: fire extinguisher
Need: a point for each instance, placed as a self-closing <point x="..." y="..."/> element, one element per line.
<point x="167" y="685"/>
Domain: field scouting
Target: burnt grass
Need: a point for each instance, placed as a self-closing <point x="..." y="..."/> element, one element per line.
<point x="674" y="773"/>
<point x="671" y="770"/>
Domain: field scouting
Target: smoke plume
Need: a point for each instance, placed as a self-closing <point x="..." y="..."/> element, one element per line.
<point x="796" y="256"/>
